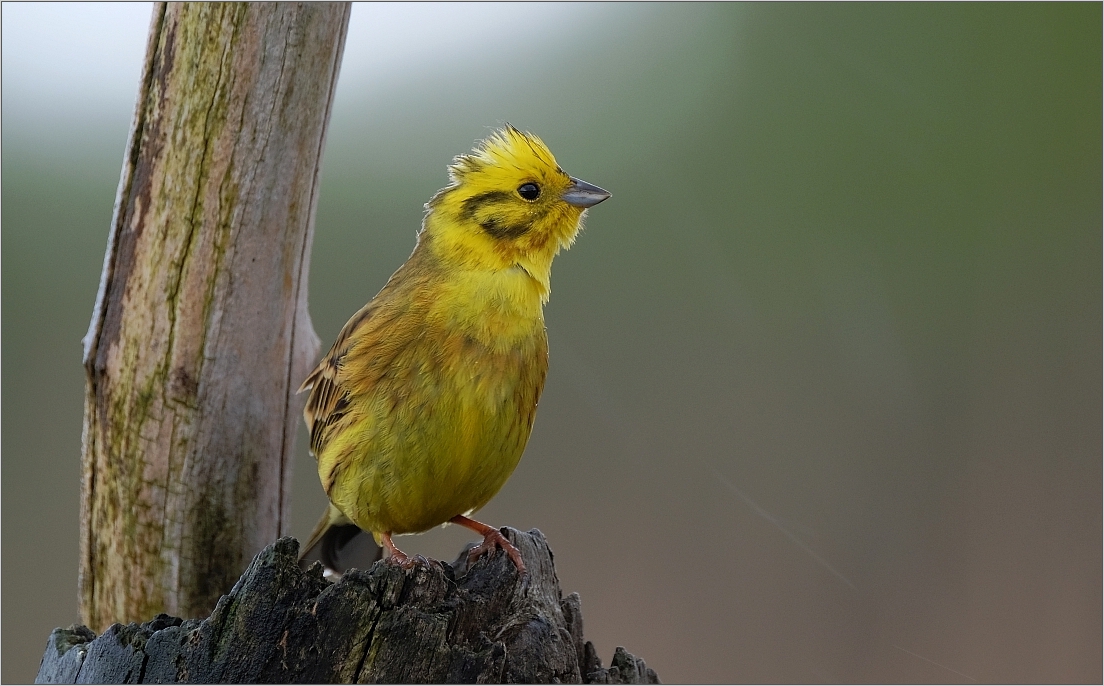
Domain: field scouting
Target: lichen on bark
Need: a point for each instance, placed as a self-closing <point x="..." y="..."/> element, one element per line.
<point x="200" y="333"/>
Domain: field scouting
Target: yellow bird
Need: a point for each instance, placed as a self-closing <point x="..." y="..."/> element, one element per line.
<point x="420" y="411"/>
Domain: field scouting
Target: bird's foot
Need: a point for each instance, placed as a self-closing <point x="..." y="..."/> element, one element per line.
<point x="396" y="556"/>
<point x="491" y="537"/>
<point x="410" y="562"/>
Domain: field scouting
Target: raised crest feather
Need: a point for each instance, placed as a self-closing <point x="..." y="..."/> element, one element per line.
<point x="508" y="147"/>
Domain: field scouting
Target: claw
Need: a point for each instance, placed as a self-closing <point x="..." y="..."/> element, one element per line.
<point x="412" y="562"/>
<point x="492" y="537"/>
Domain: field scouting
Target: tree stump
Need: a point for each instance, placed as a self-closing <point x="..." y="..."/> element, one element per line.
<point x="432" y="623"/>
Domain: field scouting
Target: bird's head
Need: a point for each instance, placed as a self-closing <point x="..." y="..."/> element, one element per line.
<point x="508" y="205"/>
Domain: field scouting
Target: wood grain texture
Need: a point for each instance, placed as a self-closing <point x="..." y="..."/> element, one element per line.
<point x="434" y="623"/>
<point x="200" y="334"/>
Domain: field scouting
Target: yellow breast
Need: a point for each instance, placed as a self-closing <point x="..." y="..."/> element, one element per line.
<point x="441" y="407"/>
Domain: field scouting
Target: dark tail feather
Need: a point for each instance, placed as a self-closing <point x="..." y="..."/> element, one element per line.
<point x="339" y="545"/>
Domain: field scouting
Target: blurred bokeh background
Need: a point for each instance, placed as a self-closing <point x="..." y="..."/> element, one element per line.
<point x="825" y="392"/>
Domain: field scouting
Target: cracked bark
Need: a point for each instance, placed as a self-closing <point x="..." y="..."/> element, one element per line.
<point x="433" y="623"/>
<point x="200" y="333"/>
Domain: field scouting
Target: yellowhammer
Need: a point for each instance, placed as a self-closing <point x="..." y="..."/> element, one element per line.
<point x="420" y="411"/>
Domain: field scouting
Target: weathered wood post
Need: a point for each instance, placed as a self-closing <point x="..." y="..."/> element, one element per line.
<point x="430" y="623"/>
<point x="200" y="333"/>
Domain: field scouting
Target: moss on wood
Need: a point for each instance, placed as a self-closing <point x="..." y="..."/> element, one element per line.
<point x="200" y="337"/>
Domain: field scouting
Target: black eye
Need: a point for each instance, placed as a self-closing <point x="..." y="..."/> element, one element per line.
<point x="529" y="191"/>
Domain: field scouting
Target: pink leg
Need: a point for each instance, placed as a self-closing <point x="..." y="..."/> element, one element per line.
<point x="491" y="538"/>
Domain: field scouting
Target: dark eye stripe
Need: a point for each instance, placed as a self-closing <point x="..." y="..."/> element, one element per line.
<point x="473" y="204"/>
<point x="494" y="226"/>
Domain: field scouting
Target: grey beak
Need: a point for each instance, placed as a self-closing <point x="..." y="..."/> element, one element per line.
<point x="583" y="194"/>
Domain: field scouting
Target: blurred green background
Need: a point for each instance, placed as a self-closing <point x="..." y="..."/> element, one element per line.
<point x="824" y="402"/>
